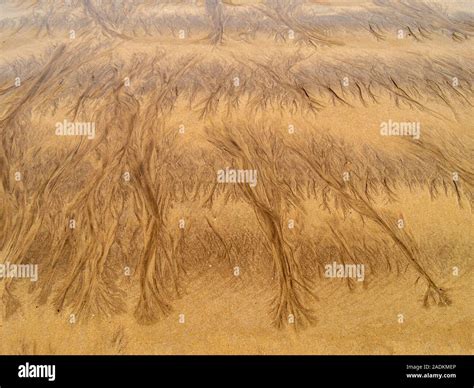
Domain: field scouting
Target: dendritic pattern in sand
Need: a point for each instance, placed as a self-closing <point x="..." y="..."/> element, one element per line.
<point x="231" y="176"/>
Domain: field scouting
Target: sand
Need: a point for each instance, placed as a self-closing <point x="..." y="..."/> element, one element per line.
<point x="122" y="126"/>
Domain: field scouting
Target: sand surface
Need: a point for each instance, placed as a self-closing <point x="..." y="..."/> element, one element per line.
<point x="141" y="248"/>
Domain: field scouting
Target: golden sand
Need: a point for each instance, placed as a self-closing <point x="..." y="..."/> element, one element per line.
<point x="182" y="173"/>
